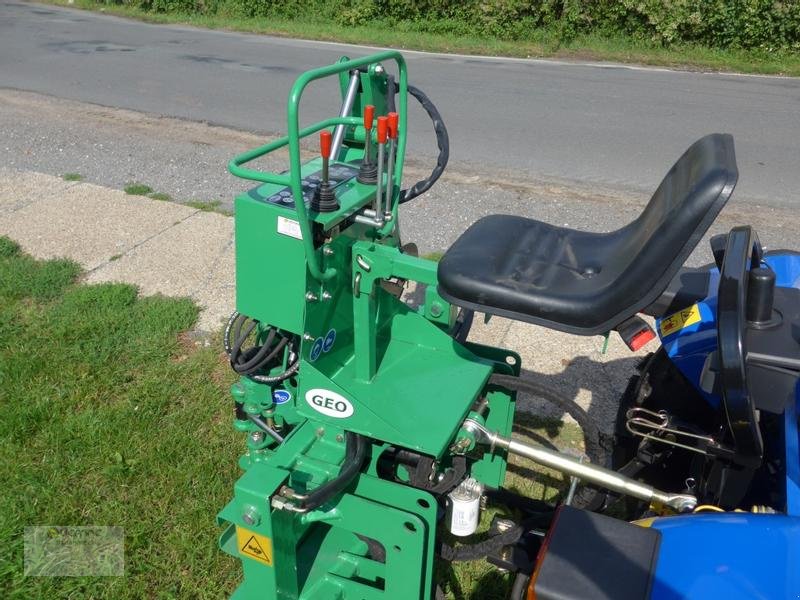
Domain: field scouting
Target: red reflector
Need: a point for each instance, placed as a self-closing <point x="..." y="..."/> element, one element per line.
<point x="641" y="338"/>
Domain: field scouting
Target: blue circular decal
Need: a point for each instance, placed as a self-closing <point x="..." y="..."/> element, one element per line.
<point x="316" y="349"/>
<point x="330" y="339"/>
<point x="281" y="396"/>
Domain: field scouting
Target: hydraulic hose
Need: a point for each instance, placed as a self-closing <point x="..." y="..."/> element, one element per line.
<point x="442" y="139"/>
<point x="479" y="550"/>
<point x="354" y="459"/>
<point x="586" y="497"/>
<point x="254" y="361"/>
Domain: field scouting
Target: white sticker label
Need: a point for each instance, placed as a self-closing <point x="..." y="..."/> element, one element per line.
<point x="289" y="227"/>
<point x="329" y="403"/>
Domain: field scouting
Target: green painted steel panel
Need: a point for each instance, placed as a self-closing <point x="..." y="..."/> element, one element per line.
<point x="270" y="266"/>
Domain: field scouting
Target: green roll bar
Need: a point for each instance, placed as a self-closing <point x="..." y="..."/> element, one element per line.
<point x="293" y="180"/>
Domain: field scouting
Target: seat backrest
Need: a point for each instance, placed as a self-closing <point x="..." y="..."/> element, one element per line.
<point x="684" y="206"/>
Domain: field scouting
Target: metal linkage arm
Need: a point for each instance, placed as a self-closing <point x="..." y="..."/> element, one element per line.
<point x="594" y="474"/>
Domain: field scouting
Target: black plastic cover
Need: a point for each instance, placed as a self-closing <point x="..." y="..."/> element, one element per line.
<point x="773" y="354"/>
<point x="598" y="557"/>
<point x="587" y="283"/>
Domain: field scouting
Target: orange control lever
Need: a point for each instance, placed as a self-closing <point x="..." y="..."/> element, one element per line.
<point x="383" y="129"/>
<point x="369" y="115"/>
<point x="394" y="119"/>
<point x="325" y="143"/>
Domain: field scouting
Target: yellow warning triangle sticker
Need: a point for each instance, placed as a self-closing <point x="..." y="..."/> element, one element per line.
<point x="253" y="545"/>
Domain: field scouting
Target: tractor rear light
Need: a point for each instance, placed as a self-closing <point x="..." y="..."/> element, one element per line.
<point x="541" y="554"/>
<point x="588" y="555"/>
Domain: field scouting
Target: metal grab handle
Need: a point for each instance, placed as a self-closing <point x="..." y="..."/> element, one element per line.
<point x="294" y="134"/>
<point x="294" y="141"/>
<point x="235" y="165"/>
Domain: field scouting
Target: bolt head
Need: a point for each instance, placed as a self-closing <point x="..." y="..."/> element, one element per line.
<point x="327" y="251"/>
<point x="251" y="515"/>
<point x="379" y="70"/>
<point x="340" y="438"/>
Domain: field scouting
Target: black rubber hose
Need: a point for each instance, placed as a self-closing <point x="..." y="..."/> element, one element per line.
<point x="354" y="459"/>
<point x="482" y="549"/>
<point x="591" y="435"/>
<point x="587" y="497"/>
<point x="258" y="358"/>
<point x="519" y="590"/>
<point x="442" y="139"/>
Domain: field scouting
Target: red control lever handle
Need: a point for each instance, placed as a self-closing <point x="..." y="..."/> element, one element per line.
<point x="383" y="129"/>
<point x="394" y="119"/>
<point x="325" y="144"/>
<point x="369" y="115"/>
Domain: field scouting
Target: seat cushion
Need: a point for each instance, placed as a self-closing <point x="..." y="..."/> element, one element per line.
<point x="529" y="270"/>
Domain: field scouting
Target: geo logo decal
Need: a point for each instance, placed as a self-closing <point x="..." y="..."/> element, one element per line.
<point x="329" y="403"/>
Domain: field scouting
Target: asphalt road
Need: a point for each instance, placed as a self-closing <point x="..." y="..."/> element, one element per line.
<point x="605" y="124"/>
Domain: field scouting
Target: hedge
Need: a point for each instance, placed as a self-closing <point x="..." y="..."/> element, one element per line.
<point x="763" y="24"/>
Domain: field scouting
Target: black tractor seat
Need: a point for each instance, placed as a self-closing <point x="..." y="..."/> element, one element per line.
<point x="588" y="283"/>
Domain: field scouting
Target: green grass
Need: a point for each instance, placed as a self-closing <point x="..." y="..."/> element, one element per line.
<point x="160" y="196"/>
<point x="540" y="44"/>
<point x="209" y="206"/>
<point x="205" y="206"/>
<point x="72" y="177"/>
<point x="138" y="189"/>
<point x="109" y="417"/>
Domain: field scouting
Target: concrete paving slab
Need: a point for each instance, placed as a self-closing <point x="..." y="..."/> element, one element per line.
<point x="184" y="260"/>
<point x="20" y="188"/>
<point x="87" y="223"/>
<point x="217" y="294"/>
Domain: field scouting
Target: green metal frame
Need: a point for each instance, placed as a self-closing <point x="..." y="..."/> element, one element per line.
<point x="295" y="134"/>
<point x="409" y="383"/>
